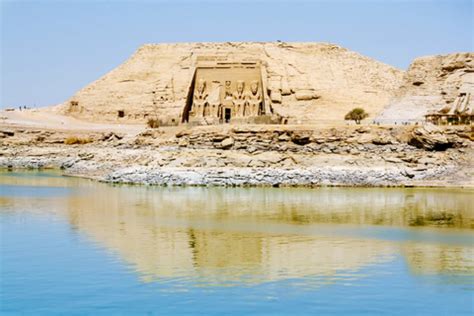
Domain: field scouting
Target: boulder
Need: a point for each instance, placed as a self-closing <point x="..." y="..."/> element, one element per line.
<point x="284" y="138"/>
<point x="430" y="137"/>
<point x="183" y="142"/>
<point x="226" y="143"/>
<point x="275" y="96"/>
<point x="382" y="140"/>
<point x="365" y="138"/>
<point x="305" y="95"/>
<point x="363" y="129"/>
<point x="301" y="138"/>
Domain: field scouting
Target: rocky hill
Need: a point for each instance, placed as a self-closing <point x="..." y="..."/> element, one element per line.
<point x="308" y="82"/>
<point x="431" y="83"/>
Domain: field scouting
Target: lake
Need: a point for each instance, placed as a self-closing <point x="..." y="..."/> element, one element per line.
<point x="78" y="247"/>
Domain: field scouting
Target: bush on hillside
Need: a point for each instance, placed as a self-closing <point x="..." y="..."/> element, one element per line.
<point x="357" y="115"/>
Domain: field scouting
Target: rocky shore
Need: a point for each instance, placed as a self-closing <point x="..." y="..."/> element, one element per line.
<point x="251" y="155"/>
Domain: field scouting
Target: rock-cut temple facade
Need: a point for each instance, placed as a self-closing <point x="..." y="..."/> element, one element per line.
<point x="224" y="91"/>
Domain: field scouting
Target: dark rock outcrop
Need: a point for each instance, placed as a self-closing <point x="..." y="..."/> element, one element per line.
<point x="429" y="137"/>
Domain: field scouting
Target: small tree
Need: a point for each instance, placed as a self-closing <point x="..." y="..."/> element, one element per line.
<point x="357" y="115"/>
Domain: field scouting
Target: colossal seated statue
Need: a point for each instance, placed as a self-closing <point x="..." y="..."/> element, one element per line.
<point x="200" y="99"/>
<point x="214" y="100"/>
<point x="238" y="99"/>
<point x="253" y="100"/>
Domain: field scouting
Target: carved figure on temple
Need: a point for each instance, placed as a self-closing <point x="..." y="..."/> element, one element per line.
<point x="228" y="90"/>
<point x="214" y="100"/>
<point x="238" y="99"/>
<point x="200" y="98"/>
<point x="253" y="100"/>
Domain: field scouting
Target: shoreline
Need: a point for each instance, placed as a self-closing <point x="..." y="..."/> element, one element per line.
<point x="245" y="185"/>
<point x="251" y="156"/>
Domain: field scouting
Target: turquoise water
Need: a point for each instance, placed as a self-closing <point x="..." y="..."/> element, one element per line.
<point x="73" y="246"/>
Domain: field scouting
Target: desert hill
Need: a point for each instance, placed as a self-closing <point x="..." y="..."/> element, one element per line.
<point x="431" y="83"/>
<point x="307" y="82"/>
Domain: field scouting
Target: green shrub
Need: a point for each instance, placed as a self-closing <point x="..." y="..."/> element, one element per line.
<point x="357" y="115"/>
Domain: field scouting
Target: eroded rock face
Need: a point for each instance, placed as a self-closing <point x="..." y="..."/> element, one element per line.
<point x="252" y="155"/>
<point x="304" y="82"/>
<point x="430" y="137"/>
<point x="429" y="84"/>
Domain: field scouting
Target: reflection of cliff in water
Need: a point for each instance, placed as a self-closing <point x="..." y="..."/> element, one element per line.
<point x="377" y="206"/>
<point x="374" y="206"/>
<point x="439" y="259"/>
<point x="221" y="255"/>
<point x="254" y="235"/>
<point x="223" y="235"/>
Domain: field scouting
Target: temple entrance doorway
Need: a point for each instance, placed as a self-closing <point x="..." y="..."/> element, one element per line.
<point x="227" y="115"/>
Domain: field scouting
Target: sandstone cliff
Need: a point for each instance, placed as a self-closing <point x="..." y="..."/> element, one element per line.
<point x="431" y="83"/>
<point x="307" y="82"/>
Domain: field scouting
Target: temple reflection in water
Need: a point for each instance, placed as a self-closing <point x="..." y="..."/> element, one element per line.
<point x="220" y="236"/>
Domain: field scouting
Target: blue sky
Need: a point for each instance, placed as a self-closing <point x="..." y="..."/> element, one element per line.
<point x="50" y="49"/>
